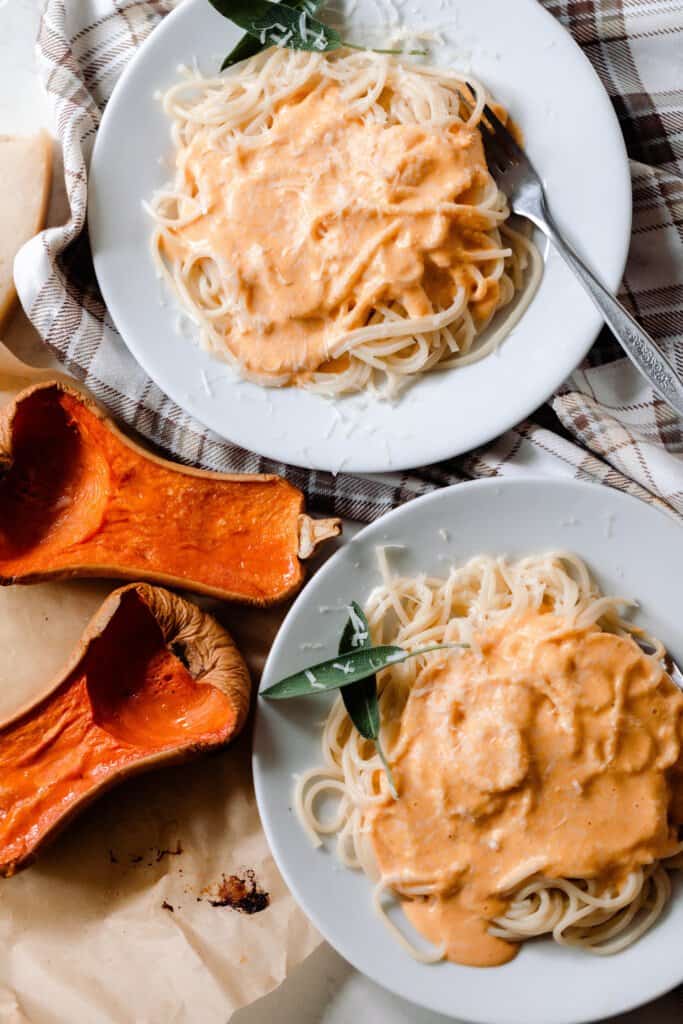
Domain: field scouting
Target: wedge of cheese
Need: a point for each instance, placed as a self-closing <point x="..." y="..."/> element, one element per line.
<point x="25" y="173"/>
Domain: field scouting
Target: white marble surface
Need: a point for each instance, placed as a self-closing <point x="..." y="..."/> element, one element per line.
<point x="323" y="990"/>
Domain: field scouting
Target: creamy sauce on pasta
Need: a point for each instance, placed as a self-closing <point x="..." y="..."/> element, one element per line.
<point x="313" y="223"/>
<point x="555" y="751"/>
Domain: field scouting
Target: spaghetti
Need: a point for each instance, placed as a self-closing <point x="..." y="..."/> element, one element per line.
<point x="333" y="223"/>
<point x="535" y="795"/>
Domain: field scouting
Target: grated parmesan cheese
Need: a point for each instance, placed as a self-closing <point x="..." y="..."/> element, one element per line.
<point x="206" y="383"/>
<point x="313" y="681"/>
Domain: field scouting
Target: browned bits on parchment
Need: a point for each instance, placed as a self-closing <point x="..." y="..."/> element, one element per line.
<point x="153" y="855"/>
<point x="160" y="854"/>
<point x="241" y="893"/>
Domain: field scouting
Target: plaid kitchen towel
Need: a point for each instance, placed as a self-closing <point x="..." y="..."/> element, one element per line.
<point x="611" y="426"/>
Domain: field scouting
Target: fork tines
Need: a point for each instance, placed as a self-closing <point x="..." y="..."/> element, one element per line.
<point x="500" y="145"/>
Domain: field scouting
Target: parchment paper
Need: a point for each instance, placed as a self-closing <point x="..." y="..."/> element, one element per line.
<point x="84" y="933"/>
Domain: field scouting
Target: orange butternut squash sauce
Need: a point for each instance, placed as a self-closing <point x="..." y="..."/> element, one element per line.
<point x="129" y="698"/>
<point x="555" y="752"/>
<point x="77" y="496"/>
<point x="323" y="216"/>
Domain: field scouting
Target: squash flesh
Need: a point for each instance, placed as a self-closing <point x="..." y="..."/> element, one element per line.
<point x="77" y="497"/>
<point x="128" y="701"/>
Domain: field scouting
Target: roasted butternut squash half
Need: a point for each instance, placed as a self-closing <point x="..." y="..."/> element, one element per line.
<point x="79" y="498"/>
<point x="154" y="680"/>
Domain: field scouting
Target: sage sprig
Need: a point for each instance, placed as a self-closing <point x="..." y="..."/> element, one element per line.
<point x="249" y="45"/>
<point x="360" y="698"/>
<point x="278" y="24"/>
<point x="353" y="672"/>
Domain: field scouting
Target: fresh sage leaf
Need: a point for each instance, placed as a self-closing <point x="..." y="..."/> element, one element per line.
<point x="344" y="670"/>
<point x="336" y="672"/>
<point x="360" y="699"/>
<point x="250" y="45"/>
<point x="277" y="24"/>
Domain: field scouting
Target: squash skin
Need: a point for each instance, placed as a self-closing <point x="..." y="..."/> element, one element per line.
<point x="126" y="513"/>
<point x="125" y="723"/>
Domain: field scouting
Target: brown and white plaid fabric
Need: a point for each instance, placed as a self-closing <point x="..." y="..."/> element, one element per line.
<point x="605" y="424"/>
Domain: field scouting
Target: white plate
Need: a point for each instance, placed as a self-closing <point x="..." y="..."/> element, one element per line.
<point x="633" y="550"/>
<point x="534" y="67"/>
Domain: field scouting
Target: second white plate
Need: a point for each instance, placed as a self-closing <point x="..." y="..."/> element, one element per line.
<point x="633" y="550"/>
<point x="533" y="66"/>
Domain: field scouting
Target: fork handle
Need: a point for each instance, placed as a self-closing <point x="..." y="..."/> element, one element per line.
<point x="638" y="345"/>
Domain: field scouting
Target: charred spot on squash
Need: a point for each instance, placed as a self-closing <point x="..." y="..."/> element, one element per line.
<point x="77" y="498"/>
<point x="179" y="650"/>
<point x="127" y="703"/>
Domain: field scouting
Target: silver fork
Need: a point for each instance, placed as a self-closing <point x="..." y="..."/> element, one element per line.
<point x="519" y="181"/>
<point x="671" y="667"/>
